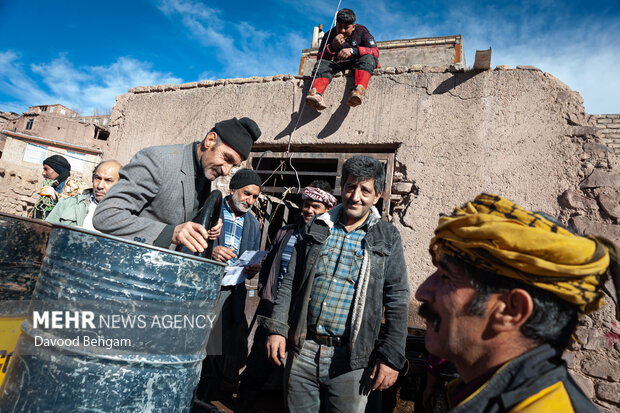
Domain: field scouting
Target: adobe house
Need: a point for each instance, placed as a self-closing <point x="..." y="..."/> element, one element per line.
<point x="44" y="130"/>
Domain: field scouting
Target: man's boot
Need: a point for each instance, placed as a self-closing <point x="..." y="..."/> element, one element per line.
<point x="315" y="96"/>
<point x="362" y="78"/>
<point x="315" y="100"/>
<point x="356" y="96"/>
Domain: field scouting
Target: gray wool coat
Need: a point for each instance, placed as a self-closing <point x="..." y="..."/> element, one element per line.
<point x="156" y="188"/>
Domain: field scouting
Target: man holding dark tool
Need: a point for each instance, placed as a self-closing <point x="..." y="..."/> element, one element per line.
<point x="162" y="188"/>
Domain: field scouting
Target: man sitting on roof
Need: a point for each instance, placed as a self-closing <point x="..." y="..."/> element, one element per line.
<point x="346" y="46"/>
<point x="504" y="302"/>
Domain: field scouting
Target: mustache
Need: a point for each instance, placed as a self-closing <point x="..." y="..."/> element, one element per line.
<point x="426" y="312"/>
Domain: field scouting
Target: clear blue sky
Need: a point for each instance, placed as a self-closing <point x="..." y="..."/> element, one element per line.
<point x="84" y="53"/>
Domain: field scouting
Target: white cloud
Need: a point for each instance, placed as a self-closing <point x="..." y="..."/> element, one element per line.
<point x="80" y="88"/>
<point x="242" y="49"/>
<point x="580" y="53"/>
<point x="14" y="82"/>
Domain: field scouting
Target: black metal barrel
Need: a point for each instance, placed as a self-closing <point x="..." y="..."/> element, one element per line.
<point x="22" y="248"/>
<point x="113" y="326"/>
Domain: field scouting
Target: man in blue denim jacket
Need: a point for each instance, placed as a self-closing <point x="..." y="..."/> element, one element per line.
<point x="346" y="275"/>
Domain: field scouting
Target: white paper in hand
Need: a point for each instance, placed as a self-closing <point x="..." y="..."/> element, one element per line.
<point x="234" y="272"/>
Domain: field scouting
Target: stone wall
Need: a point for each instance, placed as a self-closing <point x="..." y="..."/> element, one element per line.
<point x="610" y="130"/>
<point x="20" y="180"/>
<point x="6" y="118"/>
<point x="593" y="208"/>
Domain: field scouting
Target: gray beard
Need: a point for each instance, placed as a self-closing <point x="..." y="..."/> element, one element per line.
<point x="238" y="206"/>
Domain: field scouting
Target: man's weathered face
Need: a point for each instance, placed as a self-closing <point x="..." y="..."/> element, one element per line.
<point x="451" y="332"/>
<point x="357" y="198"/>
<point x="104" y="178"/>
<point x="311" y="208"/>
<point x="49" y="173"/>
<point x="345" y="29"/>
<point x="244" y="198"/>
<point x="217" y="159"/>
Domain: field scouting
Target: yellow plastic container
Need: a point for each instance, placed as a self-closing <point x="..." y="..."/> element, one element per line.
<point x="10" y="329"/>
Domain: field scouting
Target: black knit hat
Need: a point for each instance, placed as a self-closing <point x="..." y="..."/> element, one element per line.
<point x="239" y="134"/>
<point x="58" y="163"/>
<point x="244" y="177"/>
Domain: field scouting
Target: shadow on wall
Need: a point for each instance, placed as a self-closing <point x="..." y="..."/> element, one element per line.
<point x="305" y="115"/>
<point x="309" y="114"/>
<point x="454" y="81"/>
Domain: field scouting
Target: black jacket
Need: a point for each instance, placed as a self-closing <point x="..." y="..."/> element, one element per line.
<point x="382" y="285"/>
<point x="536" y="381"/>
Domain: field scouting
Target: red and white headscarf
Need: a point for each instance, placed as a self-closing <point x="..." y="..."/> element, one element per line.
<point x="317" y="194"/>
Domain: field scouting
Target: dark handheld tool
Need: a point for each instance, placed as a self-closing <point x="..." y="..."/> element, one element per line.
<point x="207" y="217"/>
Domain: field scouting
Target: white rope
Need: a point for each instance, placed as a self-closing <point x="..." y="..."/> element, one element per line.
<point x="281" y="166"/>
<point x="303" y="105"/>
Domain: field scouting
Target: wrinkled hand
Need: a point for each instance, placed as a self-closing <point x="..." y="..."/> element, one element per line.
<point x="223" y="254"/>
<point x="276" y="348"/>
<point x="251" y="270"/>
<point x="384" y="376"/>
<point x="48" y="191"/>
<point x="338" y="41"/>
<point x="344" y="54"/>
<point x="192" y="235"/>
<point x="214" y="232"/>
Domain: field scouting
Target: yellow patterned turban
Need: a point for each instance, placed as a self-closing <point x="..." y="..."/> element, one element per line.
<point x="496" y="235"/>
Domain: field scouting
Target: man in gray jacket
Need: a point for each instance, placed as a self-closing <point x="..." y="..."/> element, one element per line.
<point x="162" y="188"/>
<point x="346" y="273"/>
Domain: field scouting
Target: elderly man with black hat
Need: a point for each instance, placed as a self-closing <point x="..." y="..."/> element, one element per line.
<point x="346" y="46"/>
<point x="56" y="169"/>
<point x="504" y="301"/>
<point x="162" y="188"/>
<point x="241" y="232"/>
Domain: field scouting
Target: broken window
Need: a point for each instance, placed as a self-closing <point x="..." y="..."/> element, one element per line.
<point x="282" y="186"/>
<point x="52" y="109"/>
<point x="29" y="123"/>
<point x="43" y="108"/>
<point x="101" y="134"/>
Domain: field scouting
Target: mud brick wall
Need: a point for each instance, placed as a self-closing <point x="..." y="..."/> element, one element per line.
<point x="19" y="190"/>
<point x="610" y="130"/>
<point x="518" y="132"/>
